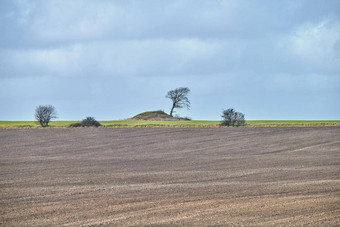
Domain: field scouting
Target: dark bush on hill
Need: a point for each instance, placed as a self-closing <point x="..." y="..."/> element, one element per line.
<point x="87" y="122"/>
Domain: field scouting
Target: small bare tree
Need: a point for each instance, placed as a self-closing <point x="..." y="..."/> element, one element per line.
<point x="43" y="114"/>
<point x="179" y="98"/>
<point x="232" y="118"/>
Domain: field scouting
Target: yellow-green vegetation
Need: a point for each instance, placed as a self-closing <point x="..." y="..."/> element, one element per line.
<point x="216" y="123"/>
<point x="34" y="123"/>
<point x="293" y="122"/>
<point x="156" y="123"/>
<point x="147" y="123"/>
<point x="111" y="123"/>
<point x="161" y="119"/>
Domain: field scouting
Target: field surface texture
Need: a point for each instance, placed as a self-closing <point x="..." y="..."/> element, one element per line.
<point x="170" y="176"/>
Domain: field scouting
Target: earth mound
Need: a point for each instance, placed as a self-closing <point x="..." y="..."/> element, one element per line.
<point x="158" y="115"/>
<point x="153" y="115"/>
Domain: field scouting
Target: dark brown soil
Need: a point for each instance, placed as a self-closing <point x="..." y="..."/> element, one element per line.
<point x="170" y="176"/>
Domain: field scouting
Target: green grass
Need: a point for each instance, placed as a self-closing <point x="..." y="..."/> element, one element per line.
<point x="112" y="123"/>
<point x="143" y="123"/>
<point x="269" y="122"/>
<point x="156" y="123"/>
<point x="34" y="123"/>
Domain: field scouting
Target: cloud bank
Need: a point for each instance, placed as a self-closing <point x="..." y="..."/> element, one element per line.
<point x="113" y="59"/>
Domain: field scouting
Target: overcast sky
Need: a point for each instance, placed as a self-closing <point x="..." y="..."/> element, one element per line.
<point x="115" y="59"/>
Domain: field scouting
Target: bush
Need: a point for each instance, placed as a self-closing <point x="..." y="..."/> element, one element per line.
<point x="87" y="122"/>
<point x="232" y="118"/>
<point x="78" y="124"/>
<point x="90" y="121"/>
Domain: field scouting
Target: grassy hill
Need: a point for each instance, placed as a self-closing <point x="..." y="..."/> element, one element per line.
<point x="158" y="115"/>
<point x="153" y="115"/>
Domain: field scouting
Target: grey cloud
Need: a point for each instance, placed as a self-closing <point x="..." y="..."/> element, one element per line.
<point x="62" y="21"/>
<point x="229" y="52"/>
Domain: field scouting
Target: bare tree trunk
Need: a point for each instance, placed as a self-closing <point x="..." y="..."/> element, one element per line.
<point x="172" y="109"/>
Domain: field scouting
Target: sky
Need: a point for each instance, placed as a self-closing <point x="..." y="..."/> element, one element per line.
<point x="114" y="59"/>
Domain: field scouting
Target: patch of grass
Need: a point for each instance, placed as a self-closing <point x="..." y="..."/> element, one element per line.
<point x="156" y="123"/>
<point x="17" y="123"/>
<point x="34" y="123"/>
<point x="145" y="123"/>
<point x="291" y="122"/>
<point x="61" y="123"/>
<point x="203" y="122"/>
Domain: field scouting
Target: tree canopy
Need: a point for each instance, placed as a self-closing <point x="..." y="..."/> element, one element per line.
<point x="232" y="118"/>
<point x="43" y="114"/>
<point x="179" y="98"/>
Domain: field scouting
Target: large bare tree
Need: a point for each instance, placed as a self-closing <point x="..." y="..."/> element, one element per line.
<point x="179" y="98"/>
<point x="43" y="114"/>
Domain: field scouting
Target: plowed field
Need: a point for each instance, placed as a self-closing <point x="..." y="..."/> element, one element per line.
<point x="170" y="176"/>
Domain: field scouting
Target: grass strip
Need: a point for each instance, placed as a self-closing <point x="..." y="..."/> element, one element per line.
<point x="131" y="123"/>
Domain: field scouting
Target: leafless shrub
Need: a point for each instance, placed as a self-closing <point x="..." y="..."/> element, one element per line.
<point x="44" y="114"/>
